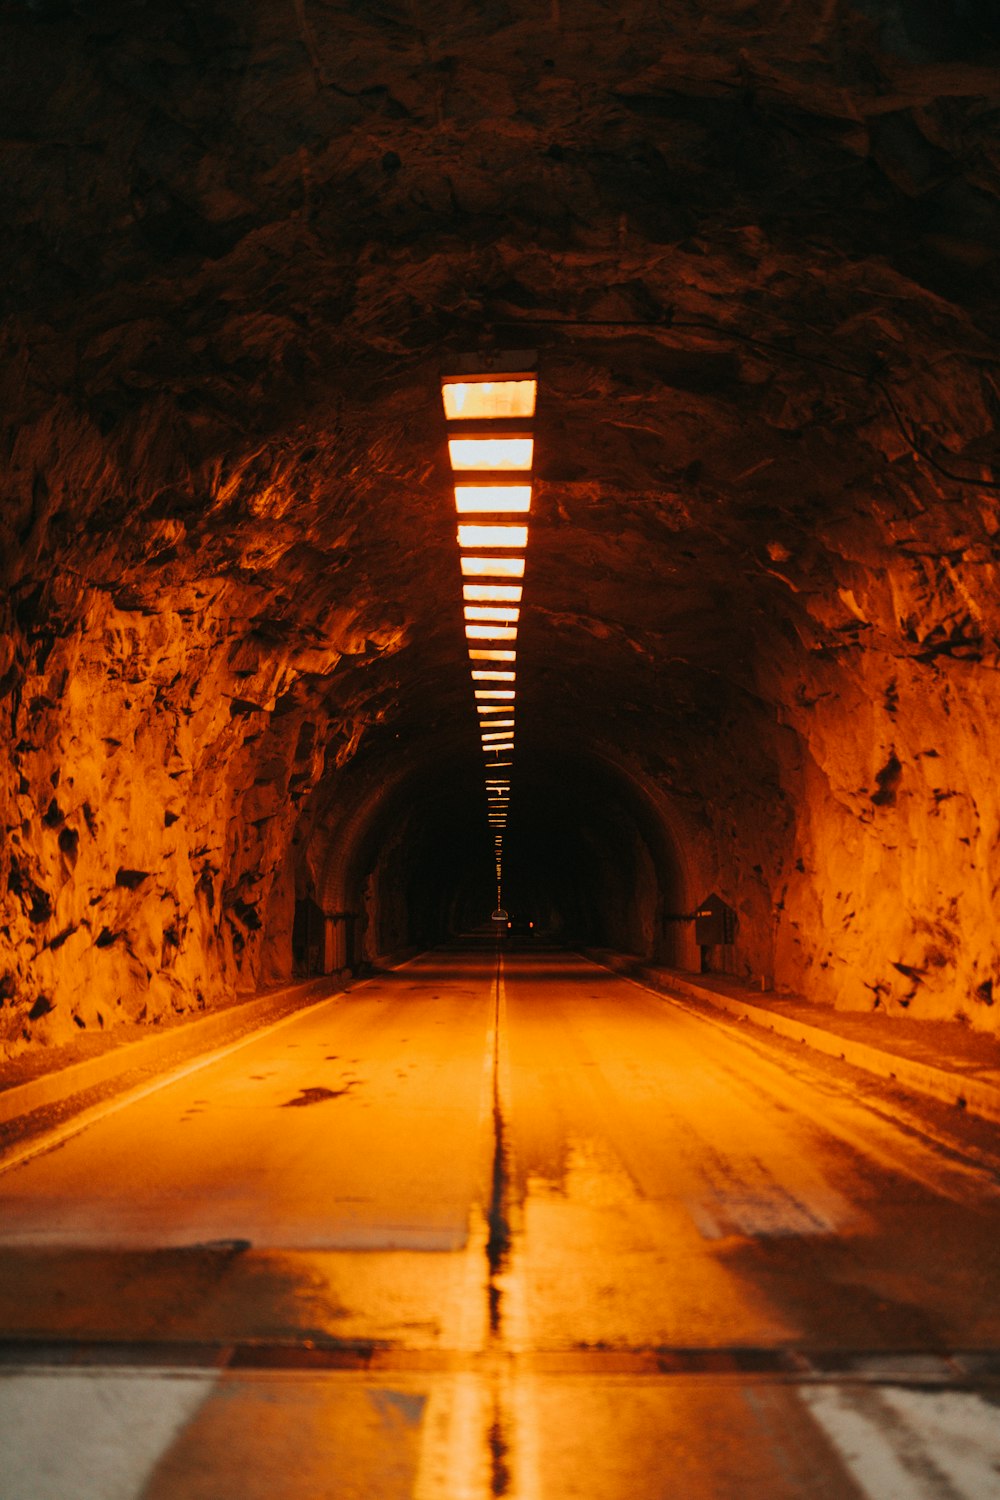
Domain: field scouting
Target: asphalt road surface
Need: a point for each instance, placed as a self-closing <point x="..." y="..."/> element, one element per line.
<point x="516" y="1227"/>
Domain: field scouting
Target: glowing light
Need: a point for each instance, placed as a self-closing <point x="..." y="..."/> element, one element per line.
<point x="498" y="499"/>
<point x="493" y="567"/>
<point x="492" y="655"/>
<point x="493" y="676"/>
<point x="495" y="453"/>
<point x="464" y="399"/>
<point x="492" y="593"/>
<point x="482" y="693"/>
<point x="494" y="739"/>
<point x="505" y="745"/>
<point x="489" y="723"/>
<point x="493" y="536"/>
<point x="494" y="765"/>
<point x="491" y="632"/>
<point x="508" y="616"/>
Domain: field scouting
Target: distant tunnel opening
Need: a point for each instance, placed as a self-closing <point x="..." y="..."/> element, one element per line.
<point x="588" y="855"/>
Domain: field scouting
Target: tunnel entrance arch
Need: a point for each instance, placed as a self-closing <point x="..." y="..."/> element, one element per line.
<point x="594" y="854"/>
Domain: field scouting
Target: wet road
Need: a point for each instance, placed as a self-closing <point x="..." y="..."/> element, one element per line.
<point x="534" y="1231"/>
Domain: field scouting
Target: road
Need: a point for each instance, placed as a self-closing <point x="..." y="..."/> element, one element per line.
<point x="524" y="1229"/>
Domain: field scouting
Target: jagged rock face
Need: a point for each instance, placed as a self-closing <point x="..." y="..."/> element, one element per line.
<point x="756" y="251"/>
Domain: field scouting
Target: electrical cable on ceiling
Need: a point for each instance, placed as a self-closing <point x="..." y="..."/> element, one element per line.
<point x="755" y="342"/>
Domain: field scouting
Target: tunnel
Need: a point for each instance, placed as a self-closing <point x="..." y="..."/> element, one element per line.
<point x="499" y="646"/>
<point x="756" y="275"/>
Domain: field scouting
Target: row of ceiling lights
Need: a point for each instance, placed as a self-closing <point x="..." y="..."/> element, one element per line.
<point x="491" y="448"/>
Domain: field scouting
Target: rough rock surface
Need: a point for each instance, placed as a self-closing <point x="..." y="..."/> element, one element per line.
<point x="756" y="246"/>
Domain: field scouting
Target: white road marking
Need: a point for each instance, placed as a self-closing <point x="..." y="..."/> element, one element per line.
<point x="904" y="1444"/>
<point x="90" y="1436"/>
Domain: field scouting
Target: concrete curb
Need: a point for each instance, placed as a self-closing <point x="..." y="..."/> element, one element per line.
<point x="969" y="1094"/>
<point x="186" y="1040"/>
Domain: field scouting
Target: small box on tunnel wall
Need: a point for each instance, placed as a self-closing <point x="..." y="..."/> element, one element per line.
<point x="714" y="922"/>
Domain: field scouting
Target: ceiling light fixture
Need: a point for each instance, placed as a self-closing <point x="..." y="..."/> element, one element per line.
<point x="491" y="632"/>
<point x="488" y="397"/>
<point x="504" y="614"/>
<point x="492" y="593"/>
<point x="492" y="567"/>
<point x="492" y="536"/>
<point x="491" y="454"/>
<point x="491" y="448"/>
<point x="492" y="499"/>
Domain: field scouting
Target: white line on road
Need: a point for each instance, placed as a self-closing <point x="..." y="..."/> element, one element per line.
<point x="92" y="1436"/>
<point x="912" y="1445"/>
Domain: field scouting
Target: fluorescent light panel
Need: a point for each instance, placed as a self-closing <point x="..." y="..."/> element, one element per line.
<point x="489" y="398"/>
<point x="492" y="499"/>
<point x="492" y="567"/>
<point x="498" y="454"/>
<point x="492" y="655"/>
<point x="491" y="632"/>
<point x="493" y="676"/>
<point x="492" y="593"/>
<point x="505" y="614"/>
<point x="482" y="694"/>
<point x="493" y="536"/>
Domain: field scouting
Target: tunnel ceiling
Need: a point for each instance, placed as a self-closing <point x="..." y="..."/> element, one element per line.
<point x="755" y="247"/>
